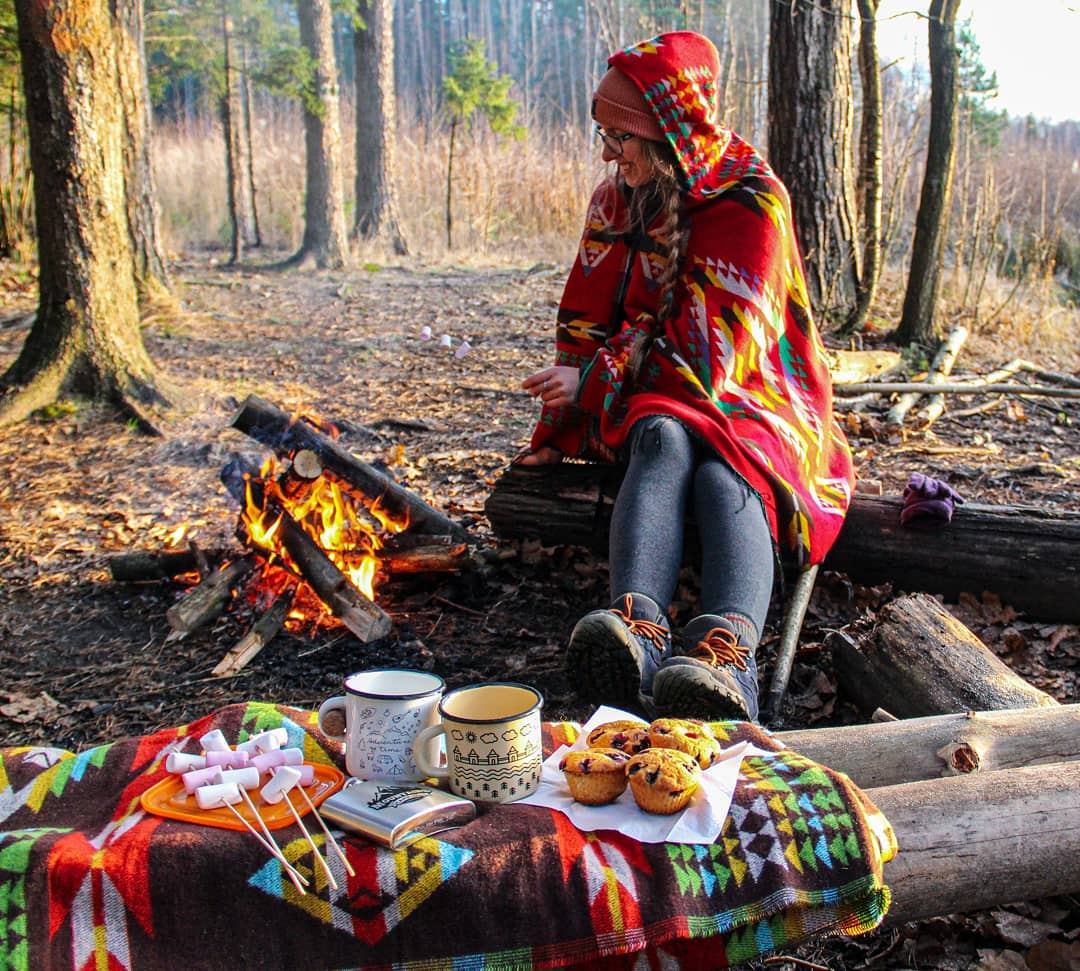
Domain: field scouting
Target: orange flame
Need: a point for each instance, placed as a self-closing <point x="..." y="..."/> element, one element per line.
<point x="347" y="530"/>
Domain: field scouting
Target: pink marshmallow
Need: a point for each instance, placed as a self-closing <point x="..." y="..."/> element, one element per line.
<point x="284" y="779"/>
<point x="247" y="777"/>
<point x="228" y="760"/>
<point x="215" y="796"/>
<point x="200" y="777"/>
<point x="179" y="762"/>
<point x="279" y="756"/>
<point x="307" y="775"/>
<point x="214" y="741"/>
<point x="249" y="747"/>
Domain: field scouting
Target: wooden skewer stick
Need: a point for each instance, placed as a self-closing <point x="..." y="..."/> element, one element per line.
<point x="329" y="836"/>
<point x="294" y="874"/>
<point x="314" y="849"/>
<point x="274" y="850"/>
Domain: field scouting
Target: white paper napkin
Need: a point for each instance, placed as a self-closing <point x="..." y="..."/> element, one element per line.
<point x="700" y="822"/>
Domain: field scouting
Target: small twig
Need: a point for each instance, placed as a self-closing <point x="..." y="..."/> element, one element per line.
<point x="787" y="959"/>
<point x="457" y="606"/>
<point x="898" y="387"/>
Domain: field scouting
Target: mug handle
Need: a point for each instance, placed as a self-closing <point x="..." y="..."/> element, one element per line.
<point x="420" y="745"/>
<point x="328" y="706"/>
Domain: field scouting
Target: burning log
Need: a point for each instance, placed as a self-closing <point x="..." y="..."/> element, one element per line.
<point x="272" y="427"/>
<point x="264" y="630"/>
<point x="365" y="618"/>
<point x="207" y="600"/>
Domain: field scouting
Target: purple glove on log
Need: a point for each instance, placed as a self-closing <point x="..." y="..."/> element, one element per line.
<point x="927" y="500"/>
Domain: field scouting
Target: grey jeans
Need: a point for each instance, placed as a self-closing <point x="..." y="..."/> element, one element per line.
<point x="667" y="469"/>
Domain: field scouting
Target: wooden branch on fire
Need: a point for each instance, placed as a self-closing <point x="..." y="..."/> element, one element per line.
<point x="207" y="600"/>
<point x="269" y="425"/>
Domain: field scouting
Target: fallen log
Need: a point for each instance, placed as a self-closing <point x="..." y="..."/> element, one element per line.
<point x="940" y="368"/>
<point x="915" y="749"/>
<point x="914" y="658"/>
<point x="143" y="566"/>
<point x="1029" y="556"/>
<point x="207" y="600"/>
<point x="983" y="840"/>
<point x="269" y="425"/>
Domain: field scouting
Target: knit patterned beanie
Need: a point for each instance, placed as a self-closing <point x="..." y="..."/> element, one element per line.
<point x="619" y="103"/>
<point x="676" y="74"/>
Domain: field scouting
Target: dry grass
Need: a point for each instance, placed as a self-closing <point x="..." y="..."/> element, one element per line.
<point x="522" y="203"/>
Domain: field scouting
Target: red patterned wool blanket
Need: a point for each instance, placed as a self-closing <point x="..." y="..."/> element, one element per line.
<point x="740" y="363"/>
<point x="89" y="880"/>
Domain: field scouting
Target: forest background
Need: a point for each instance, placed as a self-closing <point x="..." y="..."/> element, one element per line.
<point x="521" y="177"/>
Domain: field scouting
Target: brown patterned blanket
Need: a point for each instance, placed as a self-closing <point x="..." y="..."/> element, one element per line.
<point x="90" y="880"/>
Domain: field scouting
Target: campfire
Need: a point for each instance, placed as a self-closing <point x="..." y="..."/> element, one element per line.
<point x="319" y="528"/>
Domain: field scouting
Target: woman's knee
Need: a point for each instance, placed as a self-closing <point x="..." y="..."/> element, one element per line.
<point x="716" y="483"/>
<point x="661" y="437"/>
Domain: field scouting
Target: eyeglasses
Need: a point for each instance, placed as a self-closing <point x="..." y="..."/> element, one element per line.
<point x="613" y="143"/>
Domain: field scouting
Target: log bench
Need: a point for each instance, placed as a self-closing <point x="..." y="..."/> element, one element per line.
<point x="1030" y="557"/>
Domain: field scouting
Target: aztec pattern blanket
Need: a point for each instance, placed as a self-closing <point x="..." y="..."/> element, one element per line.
<point x="740" y="362"/>
<point x="89" y="880"/>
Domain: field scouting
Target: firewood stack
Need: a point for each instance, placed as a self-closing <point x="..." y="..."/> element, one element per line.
<point x="317" y="527"/>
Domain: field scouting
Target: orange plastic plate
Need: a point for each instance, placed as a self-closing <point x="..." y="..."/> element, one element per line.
<point x="169" y="798"/>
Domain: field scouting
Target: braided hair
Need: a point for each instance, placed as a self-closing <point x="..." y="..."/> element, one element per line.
<point x="665" y="195"/>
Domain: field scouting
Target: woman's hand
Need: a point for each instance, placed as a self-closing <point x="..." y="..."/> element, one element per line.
<point x="544" y="455"/>
<point x="555" y="386"/>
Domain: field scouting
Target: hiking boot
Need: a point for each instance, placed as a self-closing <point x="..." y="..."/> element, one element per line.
<point x="613" y="654"/>
<point x="715" y="676"/>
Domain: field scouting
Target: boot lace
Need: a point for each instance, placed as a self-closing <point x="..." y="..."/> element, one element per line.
<point x="657" y="634"/>
<point x="719" y="647"/>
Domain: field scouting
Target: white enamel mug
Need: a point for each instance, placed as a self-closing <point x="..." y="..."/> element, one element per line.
<point x="384" y="712"/>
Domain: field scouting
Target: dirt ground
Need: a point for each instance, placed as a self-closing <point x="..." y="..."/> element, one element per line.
<point x="88" y="660"/>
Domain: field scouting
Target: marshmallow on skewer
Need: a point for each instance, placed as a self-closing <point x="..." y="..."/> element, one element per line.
<point x="283" y="779"/>
<point x="214" y="741"/>
<point x="266" y="761"/>
<point x="218" y="795"/>
<point x="271" y="739"/>
<point x="228" y="760"/>
<point x="180" y="762"/>
<point x="248" y="746"/>
<point x="200" y="777"/>
<point x="247" y="777"/>
<point x="307" y="774"/>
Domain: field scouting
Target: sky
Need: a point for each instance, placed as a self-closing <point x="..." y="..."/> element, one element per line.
<point x="1034" y="45"/>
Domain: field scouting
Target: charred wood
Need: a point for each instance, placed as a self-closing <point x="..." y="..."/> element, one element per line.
<point x="207" y="600"/>
<point x="271" y="426"/>
<point x="143" y="566"/>
<point x="262" y="632"/>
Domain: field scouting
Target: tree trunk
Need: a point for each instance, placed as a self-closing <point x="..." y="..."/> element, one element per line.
<point x="86" y="336"/>
<point x="449" y="185"/>
<point x="230" y="125"/>
<point x="931" y="221"/>
<point x="811" y="120"/>
<point x="914" y="749"/>
<point x="377" y="218"/>
<point x="1030" y="556"/>
<point x="870" y="164"/>
<point x="325" y="239"/>
<point x="914" y="658"/>
<point x="979" y="841"/>
<point x="151" y="276"/>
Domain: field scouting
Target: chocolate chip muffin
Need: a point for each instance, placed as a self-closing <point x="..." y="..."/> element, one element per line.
<point x="596" y="776"/>
<point x="686" y="735"/>
<point x="627" y="736"/>
<point x="663" y="780"/>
